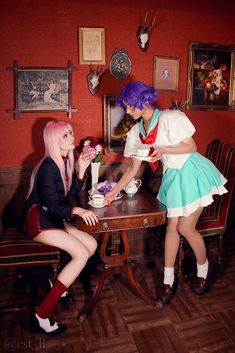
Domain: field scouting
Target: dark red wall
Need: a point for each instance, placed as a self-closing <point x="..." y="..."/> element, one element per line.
<point x="44" y="33"/>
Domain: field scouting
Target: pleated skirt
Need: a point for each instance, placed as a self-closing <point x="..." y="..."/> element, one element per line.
<point x="183" y="190"/>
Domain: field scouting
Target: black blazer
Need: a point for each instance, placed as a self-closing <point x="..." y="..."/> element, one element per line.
<point x="48" y="193"/>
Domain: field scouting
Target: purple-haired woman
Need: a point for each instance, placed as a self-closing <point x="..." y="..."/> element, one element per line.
<point x="48" y="212"/>
<point x="189" y="180"/>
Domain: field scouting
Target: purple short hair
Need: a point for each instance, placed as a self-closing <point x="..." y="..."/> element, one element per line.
<point x="137" y="94"/>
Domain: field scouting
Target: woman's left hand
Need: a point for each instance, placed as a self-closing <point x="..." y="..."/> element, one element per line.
<point x="82" y="163"/>
<point x="88" y="216"/>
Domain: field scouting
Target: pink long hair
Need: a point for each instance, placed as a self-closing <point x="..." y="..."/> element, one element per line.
<point x="52" y="135"/>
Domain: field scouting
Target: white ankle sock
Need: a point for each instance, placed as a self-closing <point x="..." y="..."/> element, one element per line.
<point x="169" y="276"/>
<point x="64" y="294"/>
<point x="46" y="325"/>
<point x="202" y="270"/>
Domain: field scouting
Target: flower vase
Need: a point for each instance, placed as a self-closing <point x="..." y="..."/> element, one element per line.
<point x="95" y="167"/>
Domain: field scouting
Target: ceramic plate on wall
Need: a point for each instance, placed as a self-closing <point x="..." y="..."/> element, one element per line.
<point x="120" y="64"/>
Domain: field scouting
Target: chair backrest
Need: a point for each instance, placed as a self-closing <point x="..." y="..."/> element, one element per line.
<point x="223" y="157"/>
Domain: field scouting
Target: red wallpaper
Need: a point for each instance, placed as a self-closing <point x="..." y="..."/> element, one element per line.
<point x="44" y="33"/>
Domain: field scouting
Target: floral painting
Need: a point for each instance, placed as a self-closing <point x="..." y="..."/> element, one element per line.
<point x="210" y="76"/>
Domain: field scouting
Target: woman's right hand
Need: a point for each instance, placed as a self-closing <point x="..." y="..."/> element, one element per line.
<point x="110" y="196"/>
<point x="88" y="216"/>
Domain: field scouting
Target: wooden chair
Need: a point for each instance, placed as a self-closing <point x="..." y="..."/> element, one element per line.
<point x="19" y="252"/>
<point x="215" y="218"/>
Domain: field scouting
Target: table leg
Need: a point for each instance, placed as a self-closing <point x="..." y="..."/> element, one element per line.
<point x="91" y="305"/>
<point x="137" y="287"/>
<point x="115" y="262"/>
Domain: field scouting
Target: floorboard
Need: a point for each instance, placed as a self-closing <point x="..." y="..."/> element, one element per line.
<point x="123" y="323"/>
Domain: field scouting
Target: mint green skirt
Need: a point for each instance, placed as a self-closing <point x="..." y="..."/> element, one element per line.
<point x="183" y="190"/>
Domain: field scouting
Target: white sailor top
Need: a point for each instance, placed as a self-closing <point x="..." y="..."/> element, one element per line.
<point x="173" y="127"/>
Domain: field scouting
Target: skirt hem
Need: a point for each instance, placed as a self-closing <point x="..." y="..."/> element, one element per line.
<point x="201" y="202"/>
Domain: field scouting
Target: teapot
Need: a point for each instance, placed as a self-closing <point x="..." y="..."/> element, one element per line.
<point x="132" y="187"/>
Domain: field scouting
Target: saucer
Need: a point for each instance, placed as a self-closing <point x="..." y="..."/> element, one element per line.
<point x="119" y="196"/>
<point x="147" y="159"/>
<point x="91" y="204"/>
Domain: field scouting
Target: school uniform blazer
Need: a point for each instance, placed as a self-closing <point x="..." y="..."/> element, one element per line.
<point x="48" y="194"/>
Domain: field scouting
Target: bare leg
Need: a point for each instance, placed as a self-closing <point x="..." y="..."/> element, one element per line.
<point x="79" y="256"/>
<point x="75" y="248"/>
<point x="171" y="242"/>
<point x="86" y="239"/>
<point x="186" y="227"/>
<point x="171" y="249"/>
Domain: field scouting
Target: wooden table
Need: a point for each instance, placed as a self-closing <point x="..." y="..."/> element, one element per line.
<point x="127" y="213"/>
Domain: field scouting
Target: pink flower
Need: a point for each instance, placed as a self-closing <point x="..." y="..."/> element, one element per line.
<point x="94" y="147"/>
<point x="87" y="143"/>
<point x="98" y="148"/>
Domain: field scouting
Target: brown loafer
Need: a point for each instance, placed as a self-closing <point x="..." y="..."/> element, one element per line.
<point x="201" y="285"/>
<point x="165" y="294"/>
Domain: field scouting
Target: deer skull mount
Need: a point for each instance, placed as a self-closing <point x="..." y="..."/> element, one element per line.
<point x="94" y="79"/>
<point x="143" y="33"/>
<point x="177" y="105"/>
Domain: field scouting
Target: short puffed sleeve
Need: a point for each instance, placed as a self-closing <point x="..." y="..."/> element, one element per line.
<point x="177" y="126"/>
<point x="132" y="141"/>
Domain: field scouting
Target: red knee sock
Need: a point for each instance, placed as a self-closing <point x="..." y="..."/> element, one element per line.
<point x="52" y="298"/>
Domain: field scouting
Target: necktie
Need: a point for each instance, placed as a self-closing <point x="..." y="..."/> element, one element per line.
<point x="151" y="137"/>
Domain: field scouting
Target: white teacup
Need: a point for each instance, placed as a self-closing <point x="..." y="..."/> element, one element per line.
<point x="97" y="200"/>
<point x="142" y="152"/>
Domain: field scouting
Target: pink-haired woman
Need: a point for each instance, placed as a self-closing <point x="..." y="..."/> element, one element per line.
<point x="48" y="211"/>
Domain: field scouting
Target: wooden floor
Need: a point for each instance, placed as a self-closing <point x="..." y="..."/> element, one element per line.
<point x="123" y="323"/>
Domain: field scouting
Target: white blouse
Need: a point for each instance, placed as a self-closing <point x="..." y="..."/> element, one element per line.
<point x="174" y="127"/>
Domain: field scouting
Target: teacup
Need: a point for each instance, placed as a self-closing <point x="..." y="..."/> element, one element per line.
<point x="142" y="152"/>
<point x="97" y="200"/>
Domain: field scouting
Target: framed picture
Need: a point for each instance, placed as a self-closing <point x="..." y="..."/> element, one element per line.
<point x="42" y="89"/>
<point x="116" y="125"/>
<point x="211" y="76"/>
<point x="91" y="45"/>
<point x="166" y="73"/>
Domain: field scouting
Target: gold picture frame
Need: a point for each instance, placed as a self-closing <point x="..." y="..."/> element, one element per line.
<point x="91" y="45"/>
<point x="116" y="125"/>
<point x="211" y="77"/>
<point x="166" y="73"/>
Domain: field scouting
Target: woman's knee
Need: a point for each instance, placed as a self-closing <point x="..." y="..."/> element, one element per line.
<point x="172" y="225"/>
<point x="92" y="246"/>
<point x="89" y="242"/>
<point x="185" y="229"/>
<point x="81" y="254"/>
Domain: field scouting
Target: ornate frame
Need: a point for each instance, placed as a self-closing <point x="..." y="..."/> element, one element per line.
<point x="211" y="76"/>
<point x="91" y="45"/>
<point x="166" y="73"/>
<point x="116" y="124"/>
<point x="42" y="89"/>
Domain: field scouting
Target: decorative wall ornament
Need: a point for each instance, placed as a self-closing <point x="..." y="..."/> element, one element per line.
<point x="120" y="64"/>
<point x="94" y="79"/>
<point x="91" y="45"/>
<point x="143" y="33"/>
<point x="166" y="73"/>
<point x="177" y="105"/>
<point x="211" y="79"/>
<point x="42" y="89"/>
